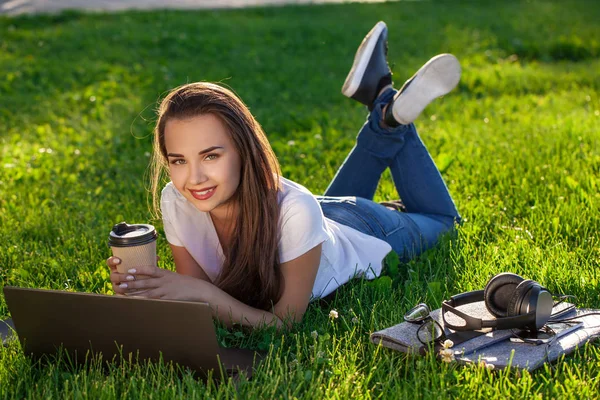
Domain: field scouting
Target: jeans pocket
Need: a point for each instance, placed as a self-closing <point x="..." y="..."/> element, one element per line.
<point x="363" y="215"/>
<point x="344" y="211"/>
<point x="383" y="220"/>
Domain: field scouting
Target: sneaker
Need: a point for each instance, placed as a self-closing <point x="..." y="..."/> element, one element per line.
<point x="436" y="78"/>
<point x="370" y="72"/>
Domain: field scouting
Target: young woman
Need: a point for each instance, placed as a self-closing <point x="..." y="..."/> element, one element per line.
<point x="258" y="247"/>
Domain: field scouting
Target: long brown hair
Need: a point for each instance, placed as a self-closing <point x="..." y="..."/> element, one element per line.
<point x="250" y="271"/>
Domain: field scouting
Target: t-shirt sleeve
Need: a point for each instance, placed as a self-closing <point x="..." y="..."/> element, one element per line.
<point x="167" y="208"/>
<point x="302" y="227"/>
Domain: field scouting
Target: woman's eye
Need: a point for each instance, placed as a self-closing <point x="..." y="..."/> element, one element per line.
<point x="178" y="161"/>
<point x="214" y="156"/>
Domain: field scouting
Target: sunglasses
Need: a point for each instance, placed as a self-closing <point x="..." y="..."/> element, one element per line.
<point x="430" y="330"/>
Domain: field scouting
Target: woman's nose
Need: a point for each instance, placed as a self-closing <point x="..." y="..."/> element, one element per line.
<point x="197" y="176"/>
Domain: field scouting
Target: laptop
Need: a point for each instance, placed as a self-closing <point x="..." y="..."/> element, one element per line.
<point x="117" y="326"/>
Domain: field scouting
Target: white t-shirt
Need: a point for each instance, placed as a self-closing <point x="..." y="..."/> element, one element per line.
<point x="346" y="252"/>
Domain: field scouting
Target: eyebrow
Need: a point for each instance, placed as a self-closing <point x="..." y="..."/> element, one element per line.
<point x="199" y="153"/>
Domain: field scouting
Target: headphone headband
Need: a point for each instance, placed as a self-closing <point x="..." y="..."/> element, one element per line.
<point x="473" y="323"/>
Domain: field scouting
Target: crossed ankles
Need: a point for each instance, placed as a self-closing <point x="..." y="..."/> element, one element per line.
<point x="370" y="76"/>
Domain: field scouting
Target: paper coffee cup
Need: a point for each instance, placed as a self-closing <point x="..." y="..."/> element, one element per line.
<point x="135" y="245"/>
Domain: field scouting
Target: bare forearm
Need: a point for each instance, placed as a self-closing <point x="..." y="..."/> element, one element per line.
<point x="230" y="311"/>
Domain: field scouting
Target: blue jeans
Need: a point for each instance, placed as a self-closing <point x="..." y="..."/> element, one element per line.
<point x="430" y="210"/>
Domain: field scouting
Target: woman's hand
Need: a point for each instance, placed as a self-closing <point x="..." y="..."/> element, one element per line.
<point x="115" y="276"/>
<point x="158" y="283"/>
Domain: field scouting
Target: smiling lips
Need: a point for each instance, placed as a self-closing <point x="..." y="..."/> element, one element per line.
<point x="204" y="194"/>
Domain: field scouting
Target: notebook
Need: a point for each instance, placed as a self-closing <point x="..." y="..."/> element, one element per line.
<point x="530" y="356"/>
<point x="494" y="347"/>
<point x="403" y="336"/>
<point x="117" y="326"/>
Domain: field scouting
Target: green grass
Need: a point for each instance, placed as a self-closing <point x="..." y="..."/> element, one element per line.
<point x="517" y="143"/>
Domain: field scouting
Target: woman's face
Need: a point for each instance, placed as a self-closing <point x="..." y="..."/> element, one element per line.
<point x="203" y="162"/>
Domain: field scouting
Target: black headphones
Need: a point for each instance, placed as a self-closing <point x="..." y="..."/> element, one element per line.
<point x="518" y="303"/>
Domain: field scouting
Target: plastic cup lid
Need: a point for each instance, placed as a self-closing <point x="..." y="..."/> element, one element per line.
<point x="126" y="235"/>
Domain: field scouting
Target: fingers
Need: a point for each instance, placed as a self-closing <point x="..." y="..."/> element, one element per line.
<point x="148" y="294"/>
<point x="116" y="279"/>
<point x="118" y="290"/>
<point x="148" y="270"/>
<point x="127" y="284"/>
<point x="130" y="285"/>
<point x="112" y="263"/>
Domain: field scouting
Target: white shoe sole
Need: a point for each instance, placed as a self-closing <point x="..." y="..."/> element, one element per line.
<point x="361" y="60"/>
<point x="436" y="78"/>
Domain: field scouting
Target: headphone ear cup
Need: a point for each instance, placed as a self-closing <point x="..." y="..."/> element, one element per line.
<point x="499" y="291"/>
<point x="524" y="301"/>
<point x="518" y="298"/>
